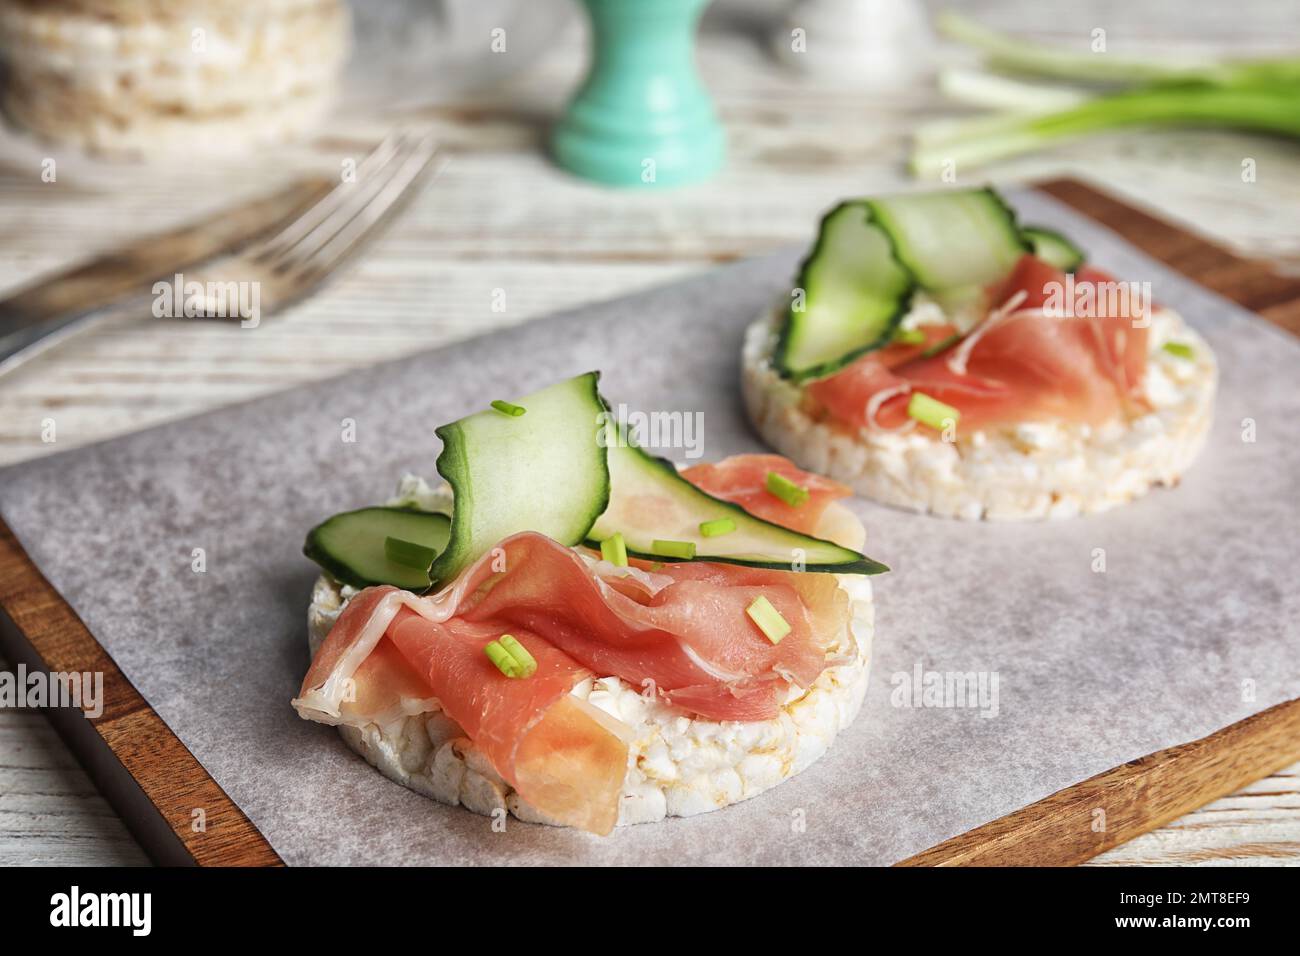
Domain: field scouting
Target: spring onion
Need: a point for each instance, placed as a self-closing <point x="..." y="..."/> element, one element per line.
<point x="510" y="657"/>
<point x="932" y="412"/>
<point x="717" y="527"/>
<point x="1262" y="96"/>
<point x="768" y="619"/>
<point x="614" y="550"/>
<point x="785" y="489"/>
<point x="1014" y="55"/>
<point x="408" y="553"/>
<point x="508" y="408"/>
<point x="909" y="337"/>
<point x="1181" y="349"/>
<point x="673" y="549"/>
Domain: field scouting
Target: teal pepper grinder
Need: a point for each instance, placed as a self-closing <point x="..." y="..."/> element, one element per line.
<point x="642" y="118"/>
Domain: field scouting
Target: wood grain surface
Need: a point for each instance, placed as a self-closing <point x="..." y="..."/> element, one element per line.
<point x="1068" y="827"/>
<point x="1253" y="283"/>
<point x="502" y="218"/>
<point x="1075" y="824"/>
<point x="184" y="815"/>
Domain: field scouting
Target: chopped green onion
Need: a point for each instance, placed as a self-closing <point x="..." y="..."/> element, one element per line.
<point x="785" y="489"/>
<point x="941" y="345"/>
<point x="526" y="661"/>
<point x="510" y="657"/>
<point x="673" y="549"/>
<point x="506" y="408"/>
<point x="931" y="411"/>
<point x="1013" y="55"/>
<point x="408" y="553"/>
<point x="501" y="659"/>
<point x="614" y="549"/>
<point x="1181" y="349"/>
<point x="716" y="527"/>
<point x="1257" y="95"/>
<point x="768" y="619"/>
<point x="909" y="337"/>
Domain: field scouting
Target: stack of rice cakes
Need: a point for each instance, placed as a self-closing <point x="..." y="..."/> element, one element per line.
<point x="145" y="77"/>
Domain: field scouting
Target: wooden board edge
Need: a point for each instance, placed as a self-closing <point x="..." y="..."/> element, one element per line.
<point x="1164" y="780"/>
<point x="1168" y="783"/>
<point x="1253" y="284"/>
<point x="168" y="801"/>
<point x="1077" y="823"/>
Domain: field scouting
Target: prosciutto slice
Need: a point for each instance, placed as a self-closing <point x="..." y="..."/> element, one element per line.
<point x="391" y="652"/>
<point x="691" y="641"/>
<point x="680" y="632"/>
<point x="1022" y="364"/>
<point x="741" y="479"/>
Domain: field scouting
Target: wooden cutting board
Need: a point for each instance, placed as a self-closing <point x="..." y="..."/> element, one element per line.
<point x="153" y="781"/>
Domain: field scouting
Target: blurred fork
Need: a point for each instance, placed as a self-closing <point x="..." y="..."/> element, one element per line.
<point x="268" y="273"/>
<point x="293" y="263"/>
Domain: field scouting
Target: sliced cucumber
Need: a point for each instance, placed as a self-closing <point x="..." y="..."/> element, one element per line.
<point x="351" y="546"/>
<point x="853" y="295"/>
<point x="964" y="307"/>
<point x="650" y="501"/>
<point x="548" y="469"/>
<point x="1054" y="248"/>
<point x="872" y="254"/>
<point x="951" y="238"/>
<point x="544" y="470"/>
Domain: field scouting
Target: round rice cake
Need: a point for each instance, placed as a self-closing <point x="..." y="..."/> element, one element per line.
<point x="150" y="11"/>
<point x="1031" y="470"/>
<point x="678" y="765"/>
<point x="149" y="85"/>
<point x="165" y="134"/>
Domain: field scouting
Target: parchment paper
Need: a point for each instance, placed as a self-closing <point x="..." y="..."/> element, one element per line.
<point x="1191" y="627"/>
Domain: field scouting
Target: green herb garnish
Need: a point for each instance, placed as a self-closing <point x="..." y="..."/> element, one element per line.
<point x="507" y="408"/>
<point x="673" y="549"/>
<point x="768" y="619"/>
<point x="1181" y="349"/>
<point x="785" y="489"/>
<point x="909" y="337"/>
<point x="510" y="657"/>
<point x="931" y="411"/>
<point x="614" y="550"/>
<point x="717" y="527"/>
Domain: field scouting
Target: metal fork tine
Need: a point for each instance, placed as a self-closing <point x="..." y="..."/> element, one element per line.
<point x="386" y="201"/>
<point x="367" y="192"/>
<point x="338" y="197"/>
<point x="361" y="196"/>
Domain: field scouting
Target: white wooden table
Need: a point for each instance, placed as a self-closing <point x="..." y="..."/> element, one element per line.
<point x="501" y="218"/>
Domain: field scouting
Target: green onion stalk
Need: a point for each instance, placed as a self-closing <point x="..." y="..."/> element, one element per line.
<point x="1260" y="96"/>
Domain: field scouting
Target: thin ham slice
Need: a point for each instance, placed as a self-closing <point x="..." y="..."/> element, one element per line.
<point x="817" y="604"/>
<point x="741" y="479"/>
<point x="693" y="633"/>
<point x="1026" y="365"/>
<point x="565" y="757"/>
<point x="687" y="638"/>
